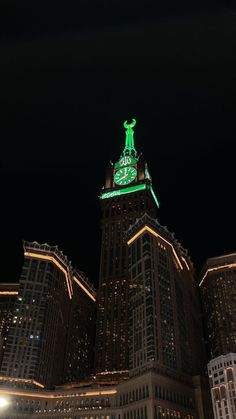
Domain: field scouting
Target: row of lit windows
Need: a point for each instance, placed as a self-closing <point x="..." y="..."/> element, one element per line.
<point x="166" y="413"/>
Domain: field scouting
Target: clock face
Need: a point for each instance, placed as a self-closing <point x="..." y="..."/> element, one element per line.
<point x="125" y="175"/>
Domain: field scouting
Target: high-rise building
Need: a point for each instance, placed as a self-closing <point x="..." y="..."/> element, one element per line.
<point x="218" y="292"/>
<point x="222" y="374"/>
<point x="8" y="295"/>
<point x="166" y="358"/>
<point x="127" y="194"/>
<point x="165" y="324"/>
<point x="166" y="346"/>
<point x="36" y="341"/>
<point x="42" y="346"/>
<point x="81" y="333"/>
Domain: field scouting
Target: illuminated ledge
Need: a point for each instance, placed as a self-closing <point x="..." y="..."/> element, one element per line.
<point x="130" y="189"/>
<point x="123" y="191"/>
<point x="154" y="233"/>
<point x="8" y="292"/>
<point x="21" y="380"/>
<point x="229" y="265"/>
<point x="76" y="279"/>
<point x="112" y="372"/>
<point x="58" y="264"/>
<point x="47" y="395"/>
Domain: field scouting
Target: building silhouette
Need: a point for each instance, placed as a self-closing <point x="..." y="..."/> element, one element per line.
<point x="149" y="351"/>
<point x="166" y="339"/>
<point x="165" y="321"/>
<point x="8" y="295"/>
<point x="218" y="292"/>
<point x="79" y="359"/>
<point x="127" y="194"/>
<point x="37" y="351"/>
<point x="166" y="357"/>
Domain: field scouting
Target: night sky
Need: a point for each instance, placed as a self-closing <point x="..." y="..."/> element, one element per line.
<point x="70" y="76"/>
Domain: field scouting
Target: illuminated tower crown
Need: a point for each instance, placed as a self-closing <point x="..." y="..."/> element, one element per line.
<point x="129" y="149"/>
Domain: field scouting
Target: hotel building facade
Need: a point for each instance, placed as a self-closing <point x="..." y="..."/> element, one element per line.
<point x="142" y="397"/>
<point x="218" y="292"/>
<point x="222" y="375"/>
<point x="38" y="353"/>
<point x="8" y="296"/>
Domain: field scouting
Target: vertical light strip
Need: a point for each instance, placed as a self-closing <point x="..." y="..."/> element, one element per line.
<point x="154" y="196"/>
<point x="186" y="263"/>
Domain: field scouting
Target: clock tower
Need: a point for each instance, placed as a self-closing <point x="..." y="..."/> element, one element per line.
<point x="126" y="196"/>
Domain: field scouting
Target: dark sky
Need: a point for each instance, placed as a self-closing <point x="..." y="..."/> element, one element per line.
<point x="70" y="76"/>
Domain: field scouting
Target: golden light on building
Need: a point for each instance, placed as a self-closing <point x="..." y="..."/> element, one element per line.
<point x="76" y="279"/>
<point x="228" y="265"/>
<point x="148" y="229"/>
<point x="187" y="266"/>
<point x="48" y="395"/>
<point x="21" y="380"/>
<point x="59" y="265"/>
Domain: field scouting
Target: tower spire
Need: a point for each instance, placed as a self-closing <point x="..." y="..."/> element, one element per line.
<point x="129" y="149"/>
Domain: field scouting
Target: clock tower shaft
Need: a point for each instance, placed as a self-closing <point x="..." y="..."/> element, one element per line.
<point x="121" y="206"/>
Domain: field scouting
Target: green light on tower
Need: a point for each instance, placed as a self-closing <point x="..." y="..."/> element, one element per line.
<point x="129" y="149"/>
<point x="118" y="192"/>
<point x="125" y="170"/>
<point x="129" y="190"/>
<point x="154" y="196"/>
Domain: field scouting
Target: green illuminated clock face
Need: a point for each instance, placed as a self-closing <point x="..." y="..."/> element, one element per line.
<point x="125" y="175"/>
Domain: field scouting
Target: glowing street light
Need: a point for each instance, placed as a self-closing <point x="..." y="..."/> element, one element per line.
<point x="3" y="402"/>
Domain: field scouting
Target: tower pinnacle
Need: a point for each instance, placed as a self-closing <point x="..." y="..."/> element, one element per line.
<point x="129" y="149"/>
